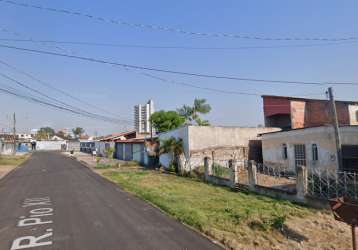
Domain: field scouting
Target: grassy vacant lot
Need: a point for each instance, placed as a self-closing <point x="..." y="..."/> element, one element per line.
<point x="12" y="160"/>
<point x="235" y="219"/>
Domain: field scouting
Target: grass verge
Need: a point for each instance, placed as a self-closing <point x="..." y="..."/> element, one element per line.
<point x="12" y="160"/>
<point x="232" y="218"/>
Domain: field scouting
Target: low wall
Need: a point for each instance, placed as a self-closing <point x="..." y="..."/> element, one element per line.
<point x="299" y="195"/>
<point x="6" y="148"/>
<point x="50" y="145"/>
<point x="73" y="145"/>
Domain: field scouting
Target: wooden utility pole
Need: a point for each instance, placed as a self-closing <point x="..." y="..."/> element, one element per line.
<point x="14" y="134"/>
<point x="335" y="124"/>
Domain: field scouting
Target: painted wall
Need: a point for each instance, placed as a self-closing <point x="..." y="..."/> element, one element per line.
<point x="101" y="147"/>
<point x="6" y="148"/>
<point x="181" y="132"/>
<point x="73" y="145"/>
<point x="49" y="145"/>
<point x="323" y="137"/>
<point x="202" y="138"/>
<point x="200" y="141"/>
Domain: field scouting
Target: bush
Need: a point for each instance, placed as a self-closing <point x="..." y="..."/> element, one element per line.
<point x="276" y="222"/>
<point x="109" y="152"/>
<point x="220" y="171"/>
<point x="172" y="168"/>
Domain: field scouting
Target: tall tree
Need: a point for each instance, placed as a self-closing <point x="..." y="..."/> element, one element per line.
<point x="45" y="133"/>
<point x="192" y="113"/>
<point x="61" y="134"/>
<point x="187" y="113"/>
<point x="78" y="131"/>
<point x="164" y="121"/>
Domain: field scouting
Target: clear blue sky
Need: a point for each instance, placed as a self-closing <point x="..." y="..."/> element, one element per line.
<point x="118" y="90"/>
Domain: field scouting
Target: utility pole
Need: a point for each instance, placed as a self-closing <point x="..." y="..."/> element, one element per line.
<point x="335" y="124"/>
<point x="14" y="133"/>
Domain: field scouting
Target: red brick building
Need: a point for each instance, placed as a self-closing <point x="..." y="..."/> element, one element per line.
<point x="292" y="113"/>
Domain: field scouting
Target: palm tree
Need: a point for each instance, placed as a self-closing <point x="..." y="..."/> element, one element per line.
<point x="78" y="131"/>
<point x="200" y="107"/>
<point x="186" y="112"/>
<point x="174" y="147"/>
<point x="192" y="113"/>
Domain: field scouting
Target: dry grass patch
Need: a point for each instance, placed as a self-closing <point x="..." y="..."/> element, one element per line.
<point x="13" y="160"/>
<point x="237" y="220"/>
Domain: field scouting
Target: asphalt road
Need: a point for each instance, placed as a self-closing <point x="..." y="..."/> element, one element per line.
<point x="54" y="202"/>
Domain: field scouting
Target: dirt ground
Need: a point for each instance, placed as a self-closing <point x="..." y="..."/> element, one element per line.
<point x="269" y="181"/>
<point x="4" y="169"/>
<point x="320" y="231"/>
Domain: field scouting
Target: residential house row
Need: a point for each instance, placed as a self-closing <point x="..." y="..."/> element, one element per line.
<point x="298" y="131"/>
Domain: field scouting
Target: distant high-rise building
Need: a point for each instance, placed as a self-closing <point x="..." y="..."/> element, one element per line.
<point x="142" y="114"/>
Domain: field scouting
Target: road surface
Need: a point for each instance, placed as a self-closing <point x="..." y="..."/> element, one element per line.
<point x="54" y="202"/>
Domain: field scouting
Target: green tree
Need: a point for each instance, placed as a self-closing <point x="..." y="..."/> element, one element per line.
<point x="61" y="134"/>
<point x="78" y="131"/>
<point x="45" y="133"/>
<point x="164" y="121"/>
<point x="192" y="113"/>
<point x="109" y="152"/>
<point x="187" y="113"/>
<point x="175" y="148"/>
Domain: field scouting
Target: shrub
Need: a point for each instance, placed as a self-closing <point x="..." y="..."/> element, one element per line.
<point x="220" y="171"/>
<point x="109" y="152"/>
<point x="276" y="222"/>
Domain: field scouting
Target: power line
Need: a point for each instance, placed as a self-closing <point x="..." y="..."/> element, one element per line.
<point x="57" y="102"/>
<point x="17" y="34"/>
<point x="190" y="85"/>
<point x="173" y="30"/>
<point x="216" y="90"/>
<point x="141" y="73"/>
<point x="223" y="77"/>
<point x="54" y="99"/>
<point x="56" y="89"/>
<point x="141" y="46"/>
<point x="42" y="102"/>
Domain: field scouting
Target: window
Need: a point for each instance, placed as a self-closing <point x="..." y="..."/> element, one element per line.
<point x="314" y="152"/>
<point x="284" y="151"/>
<point x="357" y="115"/>
<point x="300" y="155"/>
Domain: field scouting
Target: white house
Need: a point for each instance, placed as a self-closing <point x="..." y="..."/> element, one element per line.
<point x="312" y="147"/>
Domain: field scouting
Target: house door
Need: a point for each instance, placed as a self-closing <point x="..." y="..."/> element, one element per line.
<point x="350" y="158"/>
<point x="300" y="155"/>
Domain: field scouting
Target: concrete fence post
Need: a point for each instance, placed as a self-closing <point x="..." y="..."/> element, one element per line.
<point x="208" y="167"/>
<point x="233" y="173"/>
<point x="301" y="182"/>
<point x="252" y="174"/>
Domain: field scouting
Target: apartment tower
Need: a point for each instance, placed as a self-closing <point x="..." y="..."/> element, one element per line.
<point x="142" y="114"/>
